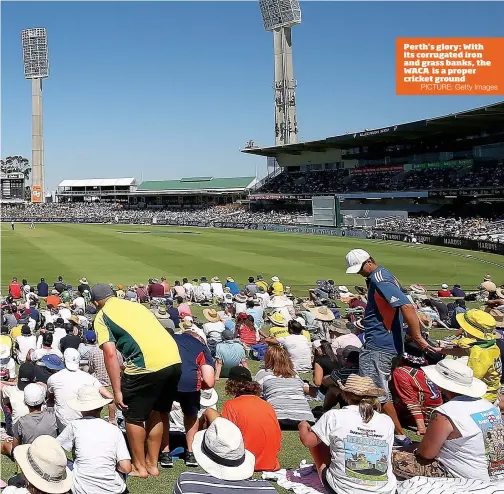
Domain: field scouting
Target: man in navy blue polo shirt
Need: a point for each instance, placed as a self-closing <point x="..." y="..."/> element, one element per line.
<point x="385" y="312"/>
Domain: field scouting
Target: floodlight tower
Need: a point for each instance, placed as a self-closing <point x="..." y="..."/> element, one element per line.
<point x="279" y="16"/>
<point x="36" y="68"/>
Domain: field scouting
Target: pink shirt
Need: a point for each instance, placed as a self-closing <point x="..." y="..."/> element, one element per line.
<point x="344" y="341"/>
<point x="184" y="309"/>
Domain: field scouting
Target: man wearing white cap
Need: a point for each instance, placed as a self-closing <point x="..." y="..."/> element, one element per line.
<point x="65" y="384"/>
<point x="385" y="312"/>
<point x="445" y="291"/>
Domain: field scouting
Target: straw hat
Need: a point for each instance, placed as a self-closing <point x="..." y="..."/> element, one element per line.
<point x="88" y="398"/>
<point x="488" y="286"/>
<point x="220" y="451"/>
<point x="498" y="316"/>
<point x="215" y="279"/>
<point x="323" y="313"/>
<point x="416" y="288"/>
<point x="487" y="278"/>
<point x="275" y="279"/>
<point x="279" y="301"/>
<point x="278" y="319"/>
<point x="240" y="298"/>
<point x="499" y="292"/>
<point x="479" y="324"/>
<point x="308" y="305"/>
<point x="83" y="281"/>
<point x="186" y="323"/>
<point x="211" y="315"/>
<point x="44" y="464"/>
<point x="161" y="313"/>
<point x="361" y="386"/>
<point x="231" y="280"/>
<point x="343" y="289"/>
<point x="425" y="320"/>
<point x="455" y="376"/>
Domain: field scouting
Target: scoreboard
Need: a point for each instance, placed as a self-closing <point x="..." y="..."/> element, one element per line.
<point x="12" y="186"/>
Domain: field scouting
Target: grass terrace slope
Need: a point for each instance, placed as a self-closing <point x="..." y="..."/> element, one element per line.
<point x="127" y="253"/>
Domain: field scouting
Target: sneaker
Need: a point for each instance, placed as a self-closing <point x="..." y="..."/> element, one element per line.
<point x="166" y="460"/>
<point x="402" y="443"/>
<point x="190" y="460"/>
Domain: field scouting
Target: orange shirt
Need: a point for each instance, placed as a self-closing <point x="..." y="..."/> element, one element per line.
<point x="260" y="429"/>
<point x="53" y="300"/>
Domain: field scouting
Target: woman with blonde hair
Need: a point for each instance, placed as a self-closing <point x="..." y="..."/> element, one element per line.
<point x="352" y="446"/>
<point x="283" y="389"/>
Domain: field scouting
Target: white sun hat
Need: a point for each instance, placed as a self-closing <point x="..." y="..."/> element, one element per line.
<point x="220" y="451"/>
<point x="209" y="397"/>
<point x="457" y="377"/>
<point x="72" y="359"/>
<point x="88" y="398"/>
<point x="34" y="395"/>
<point x="44" y="465"/>
<point x="355" y="259"/>
<point x="444" y="286"/>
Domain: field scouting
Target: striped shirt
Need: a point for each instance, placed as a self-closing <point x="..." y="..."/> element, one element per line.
<point x="194" y="482"/>
<point x="286" y="396"/>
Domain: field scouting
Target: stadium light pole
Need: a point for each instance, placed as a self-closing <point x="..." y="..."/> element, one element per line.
<point x="279" y="16"/>
<point x="36" y="68"/>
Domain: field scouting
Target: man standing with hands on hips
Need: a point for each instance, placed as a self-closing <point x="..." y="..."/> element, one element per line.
<point x="385" y="312"/>
<point x="148" y="386"/>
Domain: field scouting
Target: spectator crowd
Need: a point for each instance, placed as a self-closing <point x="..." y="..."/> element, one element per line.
<point x="151" y="354"/>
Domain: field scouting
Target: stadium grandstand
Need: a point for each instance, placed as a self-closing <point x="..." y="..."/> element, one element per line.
<point x="96" y="189"/>
<point x="452" y="164"/>
<point x="191" y="191"/>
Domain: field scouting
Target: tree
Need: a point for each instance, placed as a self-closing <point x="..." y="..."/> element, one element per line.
<point x="16" y="164"/>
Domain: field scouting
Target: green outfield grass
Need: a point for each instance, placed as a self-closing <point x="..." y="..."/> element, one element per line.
<point x="103" y="254"/>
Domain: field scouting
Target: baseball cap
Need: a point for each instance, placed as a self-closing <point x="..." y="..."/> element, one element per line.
<point x="444" y="286"/>
<point x="101" y="291"/>
<point x="355" y="259"/>
<point x="34" y="395"/>
<point x="90" y="335"/>
<point x="228" y="334"/>
<point x="26" y="375"/>
<point x="53" y="362"/>
<point x="72" y="359"/>
<point x="239" y="373"/>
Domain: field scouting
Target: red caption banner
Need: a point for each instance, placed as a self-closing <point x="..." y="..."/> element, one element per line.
<point x="450" y="66"/>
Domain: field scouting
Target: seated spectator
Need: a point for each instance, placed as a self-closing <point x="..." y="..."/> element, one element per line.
<point x="206" y="289"/>
<point x="164" y="319"/>
<point x="183" y="308"/>
<point x="255" y="310"/>
<point x="197" y="372"/>
<point x="342" y="336"/>
<point x="37" y="422"/>
<point x="283" y="389"/>
<point x="415" y="397"/>
<point x="43" y="465"/>
<point x="233" y="286"/>
<point x="166" y="286"/>
<point x="229" y="354"/>
<point x="83" y="285"/>
<point x="7" y="365"/>
<point x="246" y="330"/>
<point x="217" y="289"/>
<point x="464" y="437"/>
<point x="101" y="457"/>
<point x="46" y="347"/>
<point x="456" y="291"/>
<point x="214" y="327"/>
<point x="444" y="292"/>
<point x="47" y="366"/>
<point x="85" y="348"/>
<point x="53" y="299"/>
<point x="297" y="347"/>
<point x="276" y="288"/>
<point x="358" y="430"/>
<point x="42" y="288"/>
<point x="188" y="287"/>
<point x="240" y="303"/>
<point x="64" y="385"/>
<point x="71" y="340"/>
<point x="143" y="294"/>
<point x="24" y="343"/>
<point x="173" y="313"/>
<point x="324" y="363"/>
<point x="155" y="289"/>
<point x="229" y="467"/>
<point x="251" y="287"/>
<point x="255" y="418"/>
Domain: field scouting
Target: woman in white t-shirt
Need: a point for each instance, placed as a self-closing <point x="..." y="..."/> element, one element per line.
<point x="465" y="436"/>
<point x="352" y="446"/>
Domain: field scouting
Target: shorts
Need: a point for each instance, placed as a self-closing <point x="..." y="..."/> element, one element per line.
<point x="189" y="402"/>
<point x="154" y="391"/>
<point x="378" y="366"/>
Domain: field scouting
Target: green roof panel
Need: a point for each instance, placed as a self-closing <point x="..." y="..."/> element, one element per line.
<point x="196" y="183"/>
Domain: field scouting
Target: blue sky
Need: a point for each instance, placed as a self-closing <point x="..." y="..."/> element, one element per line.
<point x="175" y="89"/>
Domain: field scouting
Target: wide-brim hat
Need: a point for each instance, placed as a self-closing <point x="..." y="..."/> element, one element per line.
<point x="211" y="315"/>
<point x="361" y="386"/>
<point x="479" y="324"/>
<point x="88" y="398"/>
<point x="215" y="279"/>
<point x="240" y="298"/>
<point x="161" y="313"/>
<point x="83" y="281"/>
<point x="339" y="326"/>
<point x="360" y="290"/>
<point x="278" y="319"/>
<point x="4" y="351"/>
<point x="308" y="305"/>
<point x="208" y="397"/>
<point x="220" y="451"/>
<point x="488" y="286"/>
<point x="498" y="316"/>
<point x="416" y="288"/>
<point x="323" y="313"/>
<point x="231" y="280"/>
<point x="279" y="301"/>
<point x="456" y="377"/>
<point x="499" y="292"/>
<point x="44" y="465"/>
<point x="425" y="320"/>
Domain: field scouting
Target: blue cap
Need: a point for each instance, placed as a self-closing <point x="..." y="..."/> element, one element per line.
<point x="53" y="362"/>
<point x="90" y="335"/>
<point x="229" y="324"/>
